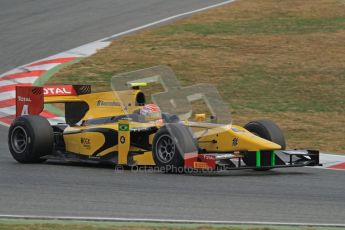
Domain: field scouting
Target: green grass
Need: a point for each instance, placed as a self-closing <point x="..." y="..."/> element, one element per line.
<point x="276" y="59"/>
<point x="25" y="224"/>
<point x="280" y="91"/>
<point x="274" y="25"/>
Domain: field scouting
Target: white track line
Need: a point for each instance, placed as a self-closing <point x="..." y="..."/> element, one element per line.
<point x="17" y="80"/>
<point x="7" y="95"/>
<point x="167" y="221"/>
<point x="329" y="160"/>
<point x="90" y="48"/>
<point x="40" y="67"/>
<point x="7" y="111"/>
<point x="165" y="20"/>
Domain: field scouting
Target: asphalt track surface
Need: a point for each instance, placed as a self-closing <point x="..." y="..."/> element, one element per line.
<point x="31" y="30"/>
<point x="282" y="195"/>
<point x="35" y="29"/>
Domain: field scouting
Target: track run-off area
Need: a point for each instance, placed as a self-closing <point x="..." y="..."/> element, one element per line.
<point x="36" y="30"/>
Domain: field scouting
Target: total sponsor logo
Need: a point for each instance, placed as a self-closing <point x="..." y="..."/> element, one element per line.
<point x="56" y="91"/>
<point x="24" y="99"/>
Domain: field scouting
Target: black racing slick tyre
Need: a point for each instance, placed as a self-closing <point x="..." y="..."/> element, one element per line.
<point x="268" y="130"/>
<point x="170" y="144"/>
<point x="30" y="138"/>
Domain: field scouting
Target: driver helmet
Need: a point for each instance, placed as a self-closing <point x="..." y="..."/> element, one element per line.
<point x="151" y="112"/>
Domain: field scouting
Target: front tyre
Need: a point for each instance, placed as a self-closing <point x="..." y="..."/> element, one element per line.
<point x="30" y="138"/>
<point x="170" y="144"/>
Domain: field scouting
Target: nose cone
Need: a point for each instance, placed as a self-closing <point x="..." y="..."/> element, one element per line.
<point x="254" y="143"/>
<point x="249" y="141"/>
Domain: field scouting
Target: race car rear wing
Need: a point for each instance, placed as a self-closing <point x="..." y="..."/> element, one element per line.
<point x="30" y="99"/>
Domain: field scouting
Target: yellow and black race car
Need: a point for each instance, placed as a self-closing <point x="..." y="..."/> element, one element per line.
<point x="101" y="128"/>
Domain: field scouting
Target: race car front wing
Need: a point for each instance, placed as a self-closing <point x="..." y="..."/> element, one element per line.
<point x="261" y="160"/>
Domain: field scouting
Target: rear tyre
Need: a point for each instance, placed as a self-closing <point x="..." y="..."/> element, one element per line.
<point x="170" y="144"/>
<point x="268" y="130"/>
<point x="30" y="138"/>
